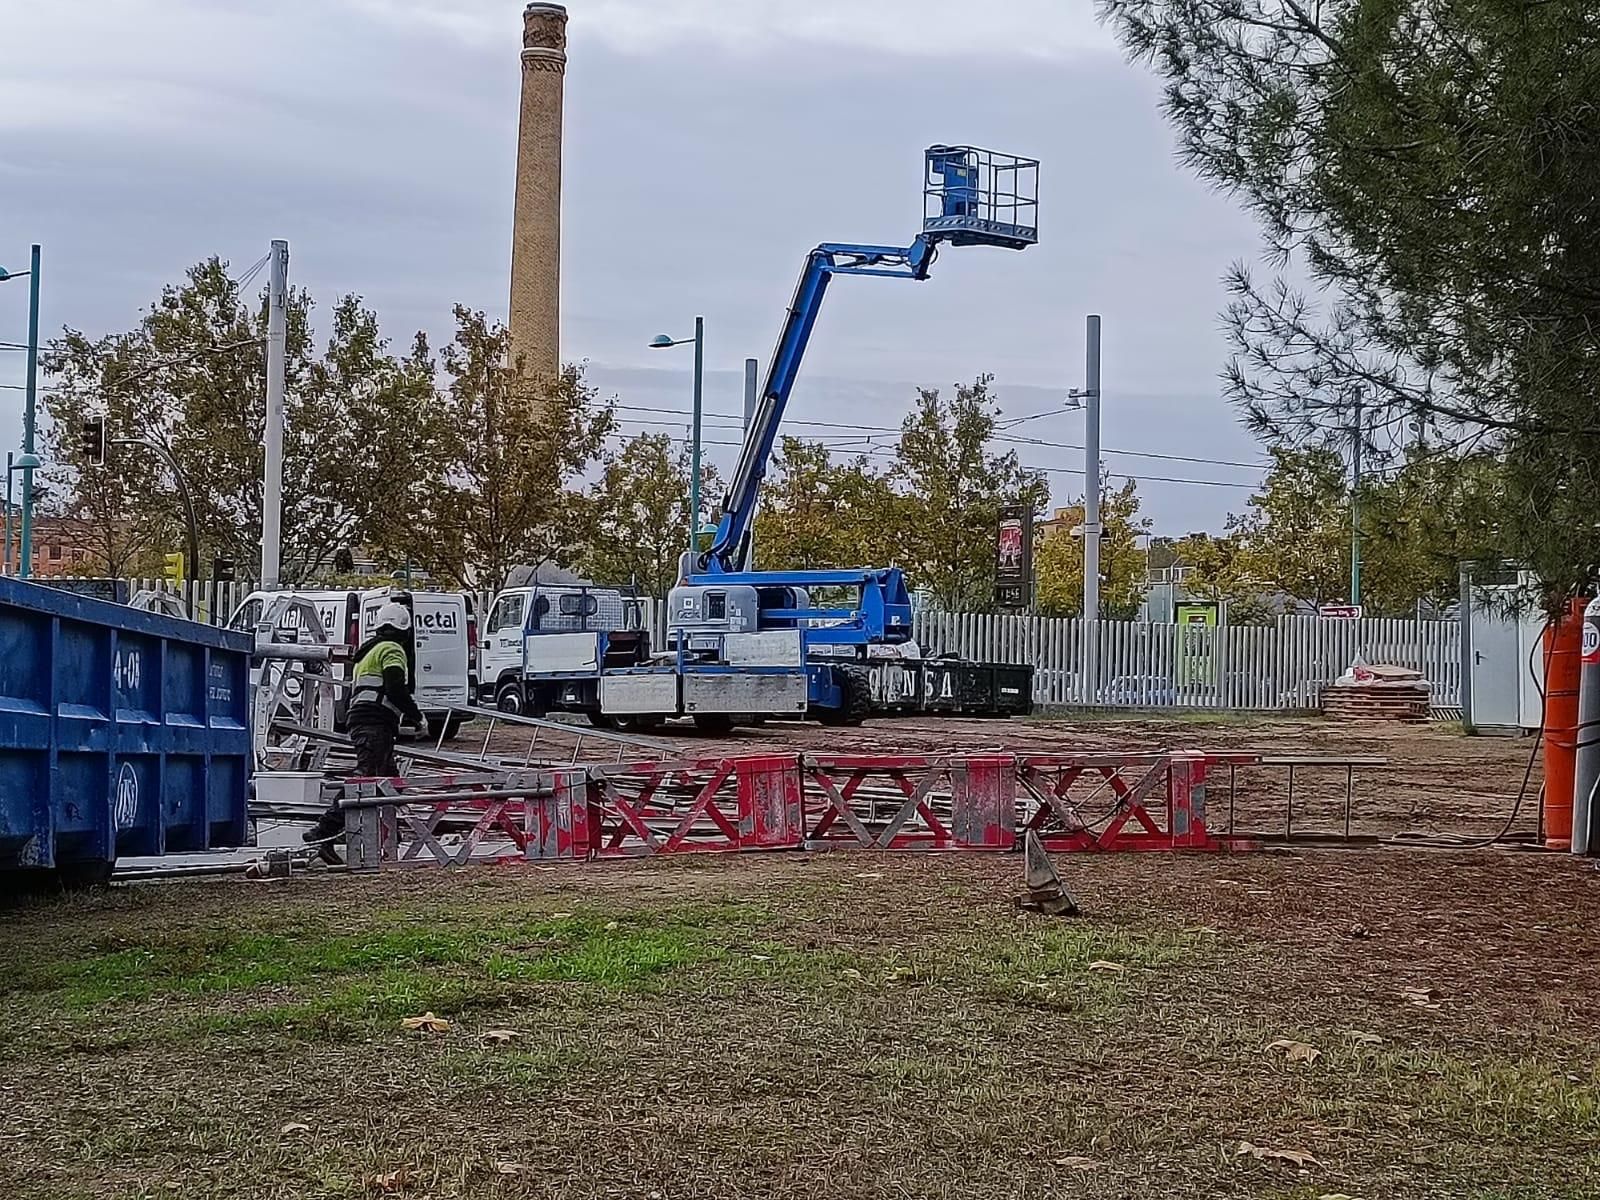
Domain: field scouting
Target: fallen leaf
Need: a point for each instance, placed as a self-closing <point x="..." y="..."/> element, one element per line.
<point x="852" y="973"/>
<point x="1359" y="930"/>
<point x="900" y="973"/>
<point x="762" y="957"/>
<point x="1078" y="1162"/>
<point x="1294" y="1051"/>
<point x="1334" y="1196"/>
<point x="389" y="1181"/>
<point x="295" y="1127"/>
<point x="426" y="1023"/>
<point x="1102" y="965"/>
<point x="500" y="1037"/>
<point x="1300" y="1158"/>
<point x="559" y="916"/>
<point x="502" y="1167"/>
<point x="1257" y="892"/>
<point x="869" y="875"/>
<point x="1362" y="1038"/>
<point x="610" y="926"/>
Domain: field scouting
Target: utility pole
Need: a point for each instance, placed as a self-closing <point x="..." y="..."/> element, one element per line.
<point x="1091" y="473"/>
<point x="29" y="415"/>
<point x="1355" y="507"/>
<point x="277" y="349"/>
<point x="694" y="456"/>
<point x="751" y="386"/>
<point x="9" y="459"/>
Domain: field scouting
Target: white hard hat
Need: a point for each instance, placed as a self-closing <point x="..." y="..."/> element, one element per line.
<point x="395" y="616"/>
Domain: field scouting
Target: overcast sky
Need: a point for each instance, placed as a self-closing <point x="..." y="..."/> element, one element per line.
<point x="709" y="145"/>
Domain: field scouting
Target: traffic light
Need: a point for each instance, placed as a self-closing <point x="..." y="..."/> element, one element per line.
<point x="222" y="570"/>
<point x="92" y="441"/>
<point x="173" y="571"/>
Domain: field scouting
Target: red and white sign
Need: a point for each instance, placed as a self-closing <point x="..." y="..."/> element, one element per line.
<point x="1591" y="643"/>
<point x="1341" y="612"/>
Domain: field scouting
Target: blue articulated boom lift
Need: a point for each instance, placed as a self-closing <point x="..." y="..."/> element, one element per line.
<point x="972" y="197"/>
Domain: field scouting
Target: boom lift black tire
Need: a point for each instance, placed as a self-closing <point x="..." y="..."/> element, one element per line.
<point x="856" y="684"/>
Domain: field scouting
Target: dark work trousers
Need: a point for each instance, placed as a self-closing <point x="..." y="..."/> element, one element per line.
<point x="374" y="746"/>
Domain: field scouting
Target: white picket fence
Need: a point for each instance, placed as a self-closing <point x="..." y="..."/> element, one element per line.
<point x="1134" y="664"/>
<point x="1117" y="664"/>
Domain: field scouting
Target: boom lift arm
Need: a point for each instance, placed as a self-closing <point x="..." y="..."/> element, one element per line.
<point x="971" y="197"/>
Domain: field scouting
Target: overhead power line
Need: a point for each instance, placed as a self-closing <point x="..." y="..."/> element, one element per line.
<point x="884" y="451"/>
<point x="1017" y="440"/>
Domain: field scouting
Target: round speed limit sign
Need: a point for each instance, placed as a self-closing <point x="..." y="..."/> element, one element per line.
<point x="1591" y="643"/>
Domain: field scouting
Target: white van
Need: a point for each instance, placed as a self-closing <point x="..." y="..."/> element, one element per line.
<point x="446" y="632"/>
<point x="445" y="625"/>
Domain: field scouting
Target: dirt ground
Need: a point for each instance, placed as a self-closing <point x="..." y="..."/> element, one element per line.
<point x="1301" y="1023"/>
<point x="1294" y="1025"/>
<point x="1436" y="781"/>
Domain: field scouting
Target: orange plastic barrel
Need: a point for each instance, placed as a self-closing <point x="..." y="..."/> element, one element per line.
<point x="1563" y="666"/>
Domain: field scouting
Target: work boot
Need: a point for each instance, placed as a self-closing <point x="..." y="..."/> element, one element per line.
<point x="329" y="825"/>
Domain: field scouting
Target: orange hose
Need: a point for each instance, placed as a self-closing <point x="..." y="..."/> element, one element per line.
<point x="1563" y="666"/>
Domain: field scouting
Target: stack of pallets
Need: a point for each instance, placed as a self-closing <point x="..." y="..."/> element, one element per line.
<point x="1389" y="694"/>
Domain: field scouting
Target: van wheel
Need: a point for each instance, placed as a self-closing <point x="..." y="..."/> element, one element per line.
<point x="452" y="727"/>
<point x="509" y="699"/>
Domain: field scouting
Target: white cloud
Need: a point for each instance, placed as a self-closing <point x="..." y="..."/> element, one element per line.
<point x="1012" y="28"/>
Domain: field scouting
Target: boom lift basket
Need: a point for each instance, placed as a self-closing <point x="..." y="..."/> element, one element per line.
<point x="975" y="197"/>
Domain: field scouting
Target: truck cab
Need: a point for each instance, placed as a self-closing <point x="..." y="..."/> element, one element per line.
<point x="544" y="646"/>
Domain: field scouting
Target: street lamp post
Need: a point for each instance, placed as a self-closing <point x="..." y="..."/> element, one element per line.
<point x="28" y="460"/>
<point x="661" y="342"/>
<point x="191" y="527"/>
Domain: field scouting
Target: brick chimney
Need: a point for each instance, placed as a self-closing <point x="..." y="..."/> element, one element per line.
<point x="536" y="221"/>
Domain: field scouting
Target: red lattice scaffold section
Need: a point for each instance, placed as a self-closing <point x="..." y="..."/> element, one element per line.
<point x="450" y="820"/>
<point x="1117" y="801"/>
<point x="910" y="802"/>
<point x="975" y="802"/>
<point x="717" y="804"/>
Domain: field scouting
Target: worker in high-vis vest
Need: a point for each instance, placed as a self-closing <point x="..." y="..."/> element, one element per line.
<point x="380" y="702"/>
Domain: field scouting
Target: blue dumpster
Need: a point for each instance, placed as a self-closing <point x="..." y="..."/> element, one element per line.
<point x="121" y="733"/>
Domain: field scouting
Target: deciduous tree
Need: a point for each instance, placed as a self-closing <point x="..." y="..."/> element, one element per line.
<point x="816" y="512"/>
<point x="641" y="507"/>
<point x="514" y="448"/>
<point x="1058" y="558"/>
<point x="953" y="486"/>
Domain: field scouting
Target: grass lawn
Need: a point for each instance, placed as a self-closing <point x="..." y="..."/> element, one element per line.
<point x="1369" y="1025"/>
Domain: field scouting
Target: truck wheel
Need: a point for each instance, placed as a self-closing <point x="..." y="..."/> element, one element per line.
<point x="509" y="699"/>
<point x="855" y="688"/>
<point x="719" y="723"/>
<point x="641" y="723"/>
<point x="602" y="720"/>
